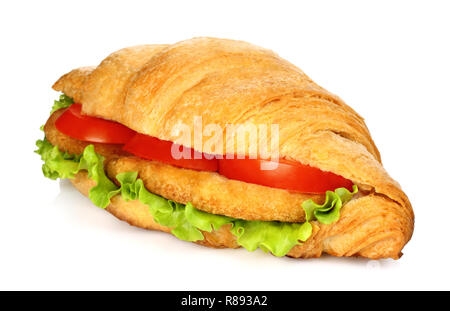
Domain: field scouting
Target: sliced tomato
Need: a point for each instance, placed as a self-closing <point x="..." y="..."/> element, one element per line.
<point x="151" y="148"/>
<point x="287" y="175"/>
<point x="92" y="129"/>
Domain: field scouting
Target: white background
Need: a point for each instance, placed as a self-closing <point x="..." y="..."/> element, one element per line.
<point x="388" y="60"/>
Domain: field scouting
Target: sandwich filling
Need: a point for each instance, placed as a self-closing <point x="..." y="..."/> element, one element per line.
<point x="186" y="221"/>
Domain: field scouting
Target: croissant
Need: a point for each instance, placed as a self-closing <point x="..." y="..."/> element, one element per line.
<point x="150" y="89"/>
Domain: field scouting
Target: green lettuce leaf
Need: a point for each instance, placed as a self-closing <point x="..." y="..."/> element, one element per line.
<point x="164" y="212"/>
<point x="206" y="221"/>
<point x="186" y="221"/>
<point x="329" y="211"/>
<point x="104" y="189"/>
<point x="58" y="164"/>
<point x="63" y="102"/>
<point x="274" y="236"/>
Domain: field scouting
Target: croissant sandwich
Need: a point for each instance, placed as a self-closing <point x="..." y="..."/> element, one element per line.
<point x="225" y="144"/>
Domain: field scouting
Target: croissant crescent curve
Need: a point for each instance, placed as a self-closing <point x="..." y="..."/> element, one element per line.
<point x="151" y="88"/>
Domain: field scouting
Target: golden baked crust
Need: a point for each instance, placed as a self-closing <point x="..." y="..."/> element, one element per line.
<point x="109" y="80"/>
<point x="73" y="81"/>
<point x="233" y="82"/>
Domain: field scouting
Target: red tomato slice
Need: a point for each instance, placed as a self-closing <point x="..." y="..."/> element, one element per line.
<point x="288" y="175"/>
<point x="151" y="148"/>
<point x="92" y="129"/>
